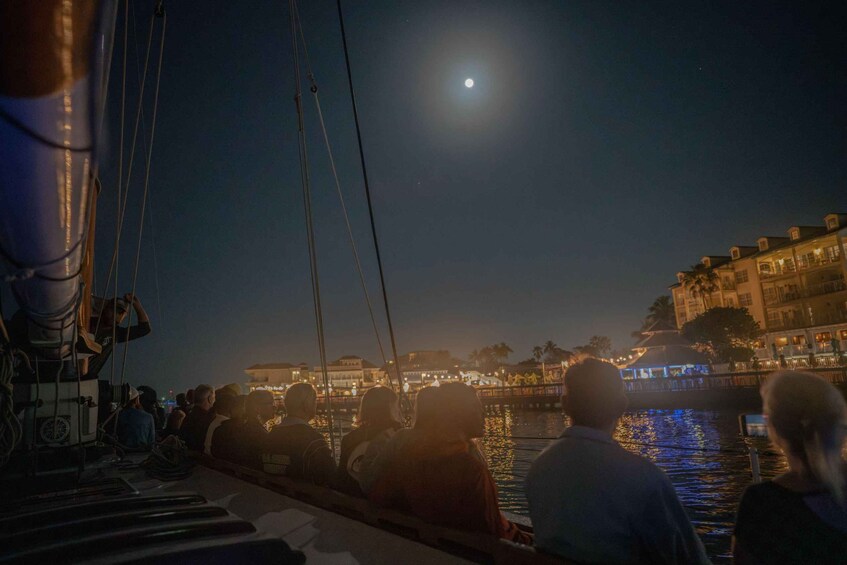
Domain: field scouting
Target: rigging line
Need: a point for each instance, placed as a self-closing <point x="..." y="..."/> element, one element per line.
<point x="121" y="212"/>
<point x="314" y="90"/>
<point x="310" y="233"/>
<point x="159" y="13"/>
<point x="370" y="203"/>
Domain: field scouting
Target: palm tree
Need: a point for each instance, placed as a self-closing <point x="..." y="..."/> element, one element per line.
<point x="702" y="282"/>
<point x="662" y="309"/>
<point x="501" y="350"/>
<point x="537" y="352"/>
<point x="475" y="357"/>
<point x="550" y="347"/>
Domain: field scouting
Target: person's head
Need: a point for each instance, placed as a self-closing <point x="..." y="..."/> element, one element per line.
<point x="180" y="399"/>
<point x="301" y="401"/>
<point x="806" y="418"/>
<point x="175" y="419"/>
<point x="379" y="408"/>
<point x="260" y="406"/>
<point x="460" y="410"/>
<point x="237" y="410"/>
<point x="148" y="398"/>
<point x="233" y="388"/>
<point x="224" y="402"/>
<point x="189" y="396"/>
<point x="204" y="397"/>
<point x="594" y="394"/>
<point x="133" y="398"/>
<point x="113" y="311"/>
<point x="426" y="412"/>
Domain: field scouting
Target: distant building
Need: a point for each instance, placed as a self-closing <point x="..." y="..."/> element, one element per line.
<point x="348" y="372"/>
<point x="423" y="367"/>
<point x="274" y="376"/>
<point x="793" y="286"/>
<point x="662" y="352"/>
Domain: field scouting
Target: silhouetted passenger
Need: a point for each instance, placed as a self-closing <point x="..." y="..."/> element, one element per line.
<point x="800" y="516"/>
<point x="294" y="448"/>
<point x="225" y="401"/>
<point x="241" y="440"/>
<point x="175" y="419"/>
<point x="377" y="421"/>
<point x="150" y="404"/>
<point x="439" y="476"/>
<point x="196" y="424"/>
<point x="376" y="463"/>
<point x="135" y="427"/>
<point x="182" y="403"/>
<point x="591" y="500"/>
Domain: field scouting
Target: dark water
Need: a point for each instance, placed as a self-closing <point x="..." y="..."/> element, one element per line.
<point x="709" y="474"/>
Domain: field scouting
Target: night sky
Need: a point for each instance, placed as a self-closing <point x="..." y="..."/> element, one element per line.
<point x="604" y="147"/>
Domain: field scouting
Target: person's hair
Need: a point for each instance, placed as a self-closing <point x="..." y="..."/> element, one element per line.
<point x="457" y="407"/>
<point x="298" y="395"/>
<point x="809" y="416"/>
<point x="595" y="393"/>
<point x="426" y="412"/>
<point x="175" y="419"/>
<point x="379" y="408"/>
<point x="201" y="393"/>
<point x="224" y="403"/>
<point x="180" y="399"/>
<point x="255" y="400"/>
<point x="189" y="396"/>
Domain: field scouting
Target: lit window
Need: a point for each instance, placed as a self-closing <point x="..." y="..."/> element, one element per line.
<point x="745" y="299"/>
<point x="798" y="339"/>
<point x="741" y="276"/>
<point x="781" y="341"/>
<point x="823" y="336"/>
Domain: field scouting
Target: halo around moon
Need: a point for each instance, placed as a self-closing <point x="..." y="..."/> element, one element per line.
<point x="469" y="82"/>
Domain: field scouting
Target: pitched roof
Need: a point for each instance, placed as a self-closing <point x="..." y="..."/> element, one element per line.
<point x="271" y="366"/>
<point x="662" y="339"/>
<point x="669" y="356"/>
<point x="660" y="326"/>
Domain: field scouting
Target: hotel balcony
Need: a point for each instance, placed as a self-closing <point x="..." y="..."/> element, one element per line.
<point x="777" y="271"/>
<point x="805" y="262"/>
<point x="819" y="289"/>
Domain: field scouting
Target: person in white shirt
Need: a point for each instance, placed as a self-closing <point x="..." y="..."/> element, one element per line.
<point x="594" y="502"/>
<point x="224" y="403"/>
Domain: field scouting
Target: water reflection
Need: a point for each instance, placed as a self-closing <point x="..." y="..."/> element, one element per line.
<point x="702" y="452"/>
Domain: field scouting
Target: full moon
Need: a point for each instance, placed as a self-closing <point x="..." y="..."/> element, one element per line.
<point x="469" y="82"/>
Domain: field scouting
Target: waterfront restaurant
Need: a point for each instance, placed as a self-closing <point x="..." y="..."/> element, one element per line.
<point x="666" y="361"/>
<point x="663" y="352"/>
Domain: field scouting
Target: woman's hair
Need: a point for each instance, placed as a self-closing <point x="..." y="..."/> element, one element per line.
<point x="175" y="419"/>
<point x="426" y="408"/>
<point x="379" y="408"/>
<point x="809" y="415"/>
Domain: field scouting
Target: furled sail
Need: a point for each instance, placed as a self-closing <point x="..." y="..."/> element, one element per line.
<point x="47" y="53"/>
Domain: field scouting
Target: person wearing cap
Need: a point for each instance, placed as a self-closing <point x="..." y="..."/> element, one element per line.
<point x="135" y="428"/>
<point x="108" y="325"/>
<point x="592" y="501"/>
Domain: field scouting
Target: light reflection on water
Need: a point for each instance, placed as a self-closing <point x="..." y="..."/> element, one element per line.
<point x="709" y="483"/>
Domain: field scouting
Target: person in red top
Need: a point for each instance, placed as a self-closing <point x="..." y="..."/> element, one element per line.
<point x="440" y="476"/>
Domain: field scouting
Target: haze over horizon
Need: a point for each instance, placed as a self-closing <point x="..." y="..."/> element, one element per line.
<point x="602" y="148"/>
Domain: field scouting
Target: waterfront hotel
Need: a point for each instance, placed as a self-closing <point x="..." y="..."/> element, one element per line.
<point x="792" y="285"/>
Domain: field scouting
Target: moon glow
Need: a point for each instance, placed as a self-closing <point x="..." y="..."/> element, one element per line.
<point x="469" y="82"/>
